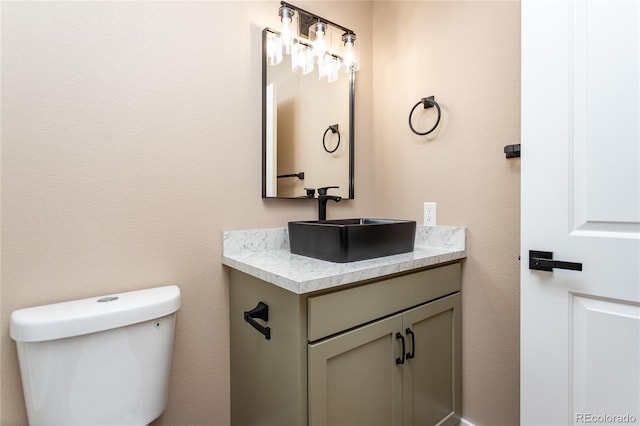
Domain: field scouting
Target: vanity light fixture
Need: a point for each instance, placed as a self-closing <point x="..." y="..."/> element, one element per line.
<point x="308" y="38"/>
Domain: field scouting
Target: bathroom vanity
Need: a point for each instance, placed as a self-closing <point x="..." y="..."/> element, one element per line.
<point x="374" y="342"/>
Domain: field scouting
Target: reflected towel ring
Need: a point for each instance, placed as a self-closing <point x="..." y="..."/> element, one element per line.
<point x="427" y="103"/>
<point x="334" y="129"/>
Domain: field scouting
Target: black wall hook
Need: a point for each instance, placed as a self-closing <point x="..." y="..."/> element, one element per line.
<point x="426" y="103"/>
<point x="512" y="151"/>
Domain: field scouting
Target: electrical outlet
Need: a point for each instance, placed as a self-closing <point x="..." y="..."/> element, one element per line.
<point x="430" y="213"/>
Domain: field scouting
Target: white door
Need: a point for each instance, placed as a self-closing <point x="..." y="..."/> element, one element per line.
<point x="580" y="330"/>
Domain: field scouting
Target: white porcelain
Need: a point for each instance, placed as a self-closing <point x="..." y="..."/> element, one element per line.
<point x="98" y="361"/>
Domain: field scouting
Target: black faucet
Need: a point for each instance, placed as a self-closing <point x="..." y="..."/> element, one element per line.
<point x="322" y="201"/>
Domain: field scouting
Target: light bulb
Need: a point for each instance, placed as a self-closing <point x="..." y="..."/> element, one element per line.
<point x="286" y="16"/>
<point x="317" y="35"/>
<point x="350" y="58"/>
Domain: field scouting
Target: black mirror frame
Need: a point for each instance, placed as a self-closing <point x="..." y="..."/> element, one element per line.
<point x="352" y="95"/>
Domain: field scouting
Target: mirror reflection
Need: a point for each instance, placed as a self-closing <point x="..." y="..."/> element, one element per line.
<point x="307" y="128"/>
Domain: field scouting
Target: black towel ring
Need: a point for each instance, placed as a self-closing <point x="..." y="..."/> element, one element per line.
<point x="334" y="129"/>
<point x="427" y="103"/>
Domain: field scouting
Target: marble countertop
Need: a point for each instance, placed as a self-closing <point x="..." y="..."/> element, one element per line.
<point x="264" y="254"/>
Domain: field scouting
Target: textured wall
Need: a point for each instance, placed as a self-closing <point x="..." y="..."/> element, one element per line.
<point x="466" y="54"/>
<point x="131" y="137"/>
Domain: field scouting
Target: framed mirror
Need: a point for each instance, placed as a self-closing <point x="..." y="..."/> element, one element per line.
<point x="307" y="130"/>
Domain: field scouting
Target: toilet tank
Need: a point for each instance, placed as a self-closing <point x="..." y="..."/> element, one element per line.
<point x="97" y="361"/>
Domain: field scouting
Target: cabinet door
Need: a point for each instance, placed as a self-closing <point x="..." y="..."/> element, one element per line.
<point x="431" y="379"/>
<point x="354" y="379"/>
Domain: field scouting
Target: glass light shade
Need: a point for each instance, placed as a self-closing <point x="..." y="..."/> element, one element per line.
<point x="301" y="58"/>
<point x="328" y="68"/>
<point x="274" y="49"/>
<point x="286" y="16"/>
<point x="318" y="37"/>
<point x="350" y="59"/>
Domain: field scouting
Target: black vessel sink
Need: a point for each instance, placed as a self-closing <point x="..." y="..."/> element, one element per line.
<point x="348" y="240"/>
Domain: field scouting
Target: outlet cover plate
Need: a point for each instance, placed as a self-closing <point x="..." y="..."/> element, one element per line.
<point x="430" y="213"/>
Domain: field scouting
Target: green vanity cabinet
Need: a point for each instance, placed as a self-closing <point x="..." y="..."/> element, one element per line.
<point x="360" y="378"/>
<point x="335" y="357"/>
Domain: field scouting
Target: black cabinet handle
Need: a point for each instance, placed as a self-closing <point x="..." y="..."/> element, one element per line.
<point x="261" y="311"/>
<point x="412" y="354"/>
<point x="400" y="360"/>
<point x="543" y="261"/>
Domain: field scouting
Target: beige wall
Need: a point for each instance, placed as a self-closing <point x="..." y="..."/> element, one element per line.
<point x="131" y="139"/>
<point x="466" y="54"/>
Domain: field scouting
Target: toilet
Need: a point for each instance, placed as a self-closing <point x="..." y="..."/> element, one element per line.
<point x="98" y="361"/>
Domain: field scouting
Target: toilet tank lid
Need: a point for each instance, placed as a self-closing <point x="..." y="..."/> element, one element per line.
<point x="78" y="317"/>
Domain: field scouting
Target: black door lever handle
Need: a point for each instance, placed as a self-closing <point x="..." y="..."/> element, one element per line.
<point x="543" y="261"/>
